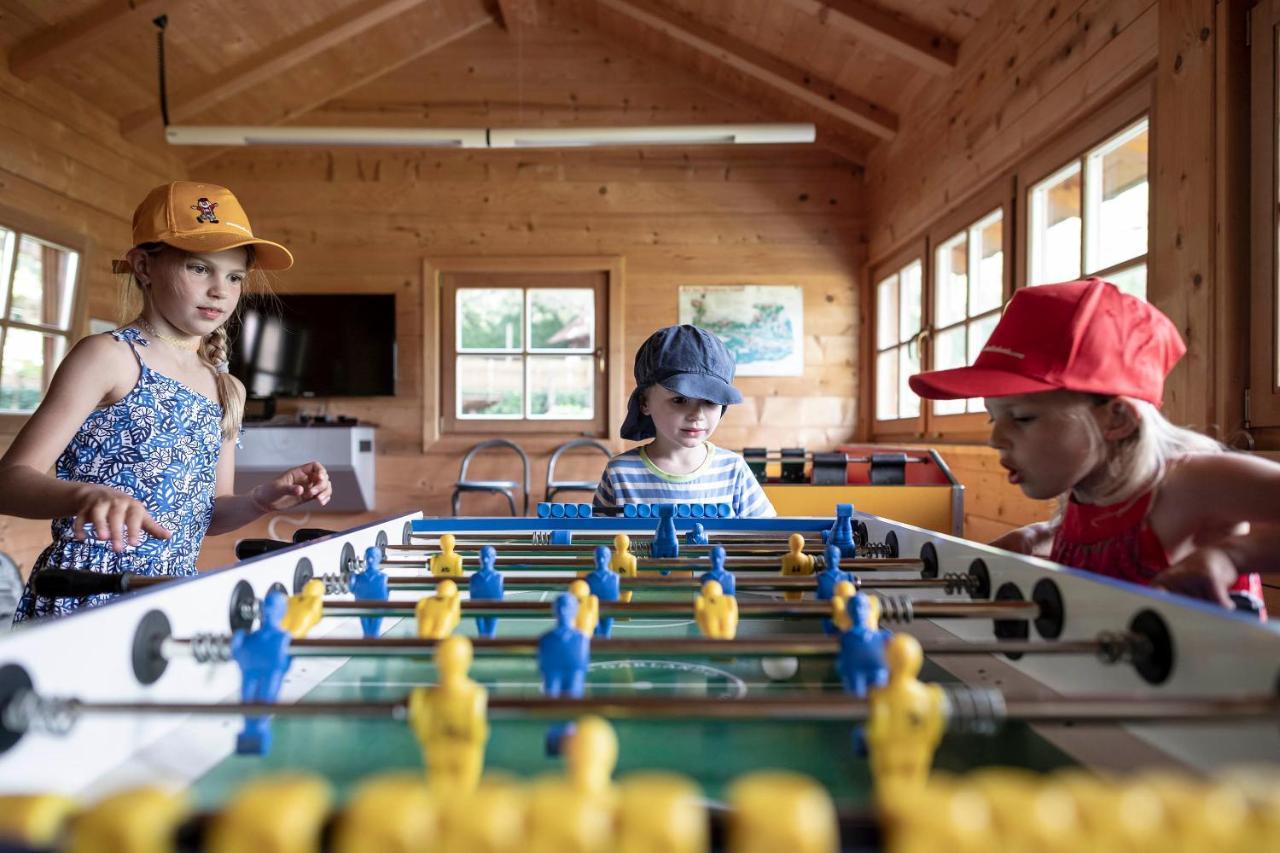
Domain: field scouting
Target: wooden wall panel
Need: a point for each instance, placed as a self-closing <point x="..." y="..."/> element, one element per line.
<point x="70" y="176"/>
<point x="364" y="220"/>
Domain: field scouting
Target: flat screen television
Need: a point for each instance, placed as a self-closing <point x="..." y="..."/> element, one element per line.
<point x="316" y="345"/>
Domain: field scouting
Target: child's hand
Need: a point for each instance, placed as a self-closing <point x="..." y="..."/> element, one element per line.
<point x="1033" y="539"/>
<point x="115" y="516"/>
<point x="293" y="487"/>
<point x="1206" y="573"/>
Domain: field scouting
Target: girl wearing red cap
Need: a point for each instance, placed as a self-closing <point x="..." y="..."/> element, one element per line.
<point x="1073" y="378"/>
<point x="140" y="424"/>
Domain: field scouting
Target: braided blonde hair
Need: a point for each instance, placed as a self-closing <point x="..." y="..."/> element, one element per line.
<point x="215" y="348"/>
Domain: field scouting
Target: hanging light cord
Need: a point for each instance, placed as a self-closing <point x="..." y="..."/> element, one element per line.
<point x="162" y="22"/>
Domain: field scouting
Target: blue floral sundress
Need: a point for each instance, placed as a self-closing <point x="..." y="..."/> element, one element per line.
<point x="158" y="444"/>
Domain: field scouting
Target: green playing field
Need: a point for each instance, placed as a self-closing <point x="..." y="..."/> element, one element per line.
<point x="711" y="752"/>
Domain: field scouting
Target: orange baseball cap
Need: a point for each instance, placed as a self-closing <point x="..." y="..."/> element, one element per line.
<point x="201" y="218"/>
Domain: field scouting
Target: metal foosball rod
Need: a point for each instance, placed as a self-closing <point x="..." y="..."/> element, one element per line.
<point x="639" y="548"/>
<point x="745" y="582"/>
<point x="1107" y="647"/>
<point x="734" y="564"/>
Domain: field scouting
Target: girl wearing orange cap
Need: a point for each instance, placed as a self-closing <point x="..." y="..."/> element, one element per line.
<point x="141" y="424"/>
<point x="1073" y="377"/>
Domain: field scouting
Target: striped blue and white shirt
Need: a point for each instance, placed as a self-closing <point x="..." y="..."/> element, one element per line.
<point x="631" y="478"/>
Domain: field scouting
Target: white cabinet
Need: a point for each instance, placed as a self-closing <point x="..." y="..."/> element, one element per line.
<point x="346" y="451"/>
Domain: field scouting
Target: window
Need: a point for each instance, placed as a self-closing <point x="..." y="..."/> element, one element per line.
<point x="1263" y="412"/>
<point x="524" y="352"/>
<point x="36" y="315"/>
<point x="967" y="294"/>
<point x="898" y="313"/>
<point x="1090" y="216"/>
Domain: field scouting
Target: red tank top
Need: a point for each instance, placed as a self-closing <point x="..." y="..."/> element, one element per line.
<point x="1117" y="541"/>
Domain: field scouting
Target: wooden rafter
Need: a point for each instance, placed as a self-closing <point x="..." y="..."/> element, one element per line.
<point x="271" y="62"/>
<point x="474" y="22"/>
<point x="847" y="108"/>
<point x="47" y="48"/>
<point x="929" y="50"/>
<point x="518" y="13"/>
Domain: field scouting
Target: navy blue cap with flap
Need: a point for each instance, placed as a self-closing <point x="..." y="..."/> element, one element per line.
<point x="685" y="360"/>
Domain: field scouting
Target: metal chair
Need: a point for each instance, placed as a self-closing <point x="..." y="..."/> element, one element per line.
<point x="554" y="485"/>
<point x="502" y="487"/>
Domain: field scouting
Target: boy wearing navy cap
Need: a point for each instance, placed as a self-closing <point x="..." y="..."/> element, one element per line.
<point x="684" y="379"/>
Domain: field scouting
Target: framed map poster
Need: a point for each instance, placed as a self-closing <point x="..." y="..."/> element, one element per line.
<point x="762" y="325"/>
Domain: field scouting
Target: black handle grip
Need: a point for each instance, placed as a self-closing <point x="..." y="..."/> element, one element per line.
<point x="75" y="583"/>
<point x="247" y="548"/>
<point x="306" y="534"/>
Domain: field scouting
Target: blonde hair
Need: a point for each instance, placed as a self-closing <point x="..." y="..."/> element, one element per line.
<point x="1140" y="460"/>
<point x="215" y="348"/>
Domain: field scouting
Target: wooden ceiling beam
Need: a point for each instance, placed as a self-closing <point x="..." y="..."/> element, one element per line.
<point x="931" y="51"/>
<point x="515" y="14"/>
<point x="44" y="50"/>
<point x="270" y="63"/>
<point x="847" y="108"/>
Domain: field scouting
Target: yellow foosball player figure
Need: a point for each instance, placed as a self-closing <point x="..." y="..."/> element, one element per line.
<point x="490" y="819"/>
<point x="34" y="820"/>
<point x="574" y="813"/>
<point x="448" y="563"/>
<point x="715" y="612"/>
<point x="438" y="615"/>
<point x="390" y="813"/>
<point x="623" y="561"/>
<point x="845" y="590"/>
<point x="775" y="810"/>
<point x="660" y="813"/>
<point x="588" y="615"/>
<point x="272" y="814"/>
<point x="304" y="609"/>
<point x="449" y="721"/>
<point x="141" y="820"/>
<point x="796" y="563"/>
<point x="905" y="722"/>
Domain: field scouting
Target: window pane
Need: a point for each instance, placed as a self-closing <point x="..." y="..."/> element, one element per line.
<point x="490" y="386"/>
<point x="1055" y="227"/>
<point x="979" y="333"/>
<point x="1117" y="195"/>
<point x="562" y="318"/>
<point x="887" y="312"/>
<point x="887" y="385"/>
<point x="912" y="275"/>
<point x="1132" y="280"/>
<point x="951" y="281"/>
<point x="490" y="319"/>
<point x="28" y="363"/>
<point x="909" y="365"/>
<point x="8" y="242"/>
<point x="986" y="255"/>
<point x="562" y="387"/>
<point x="42" y="284"/>
<point x="948" y="352"/>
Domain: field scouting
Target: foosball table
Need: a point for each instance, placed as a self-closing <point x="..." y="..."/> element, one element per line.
<point x="664" y="679"/>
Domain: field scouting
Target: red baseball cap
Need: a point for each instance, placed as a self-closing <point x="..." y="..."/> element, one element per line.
<point x="1080" y="336"/>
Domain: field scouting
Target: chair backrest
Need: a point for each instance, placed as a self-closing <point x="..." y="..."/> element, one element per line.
<point x="499" y="443"/>
<point x="570" y="445"/>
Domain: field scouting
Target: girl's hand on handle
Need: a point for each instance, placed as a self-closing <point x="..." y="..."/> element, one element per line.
<point x="1206" y="573"/>
<point x="293" y="487"/>
<point x="115" y="516"/>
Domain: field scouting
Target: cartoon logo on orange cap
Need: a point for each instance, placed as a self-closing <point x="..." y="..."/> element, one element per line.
<point x="206" y="210"/>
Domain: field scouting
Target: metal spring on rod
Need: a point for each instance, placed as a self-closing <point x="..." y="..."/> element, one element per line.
<point x="958" y="582"/>
<point x="540" y="537"/>
<point x="875" y="549"/>
<point x="896" y="608"/>
<point x="975" y="710"/>
<point x="30" y="712"/>
<point x="641" y="547"/>
<point x="1119" y="646"/>
<point x="336" y="584"/>
<point x="211" y="648"/>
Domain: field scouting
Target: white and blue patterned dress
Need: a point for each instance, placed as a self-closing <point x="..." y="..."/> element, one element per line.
<point x="158" y="444"/>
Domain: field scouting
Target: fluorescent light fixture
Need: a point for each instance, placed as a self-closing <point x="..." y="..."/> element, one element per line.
<point x="531" y="137"/>
<point x="405" y="137"/>
<point x="698" y="134"/>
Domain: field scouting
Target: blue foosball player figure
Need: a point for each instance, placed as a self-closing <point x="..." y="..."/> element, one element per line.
<point x="728" y="582"/>
<point x="697" y="535"/>
<point x="665" y="545"/>
<point x="263" y="658"/>
<point x="564" y="653"/>
<point x="861" y="661"/>
<point x="827" y="580"/>
<point x="605" y="586"/>
<point x="487" y="585"/>
<point x="842" y="531"/>
<point x="371" y="585"/>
